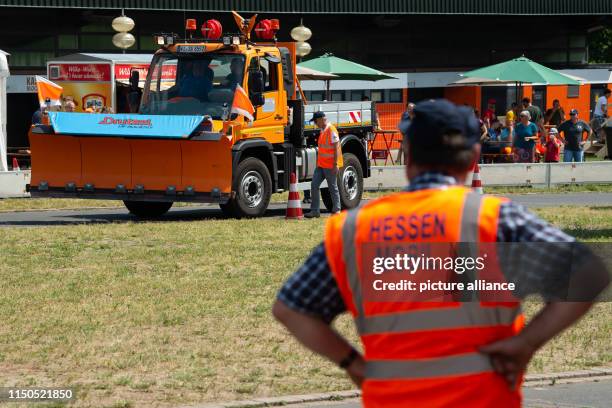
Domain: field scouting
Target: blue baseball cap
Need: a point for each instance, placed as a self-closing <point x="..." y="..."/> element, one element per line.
<point x="317" y="115"/>
<point x="437" y="117"/>
<point x="573" y="112"/>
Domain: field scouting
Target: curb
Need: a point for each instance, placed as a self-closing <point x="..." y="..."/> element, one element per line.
<point x="530" y="380"/>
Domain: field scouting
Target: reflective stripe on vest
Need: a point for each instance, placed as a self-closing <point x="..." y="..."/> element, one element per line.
<point x="462" y="364"/>
<point x="466" y="315"/>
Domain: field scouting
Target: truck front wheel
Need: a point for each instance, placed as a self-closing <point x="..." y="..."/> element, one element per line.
<point x="253" y="189"/>
<point x="350" y="184"/>
<point x="148" y="209"/>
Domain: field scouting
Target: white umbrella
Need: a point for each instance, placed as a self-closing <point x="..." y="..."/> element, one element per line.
<point x="305" y="74"/>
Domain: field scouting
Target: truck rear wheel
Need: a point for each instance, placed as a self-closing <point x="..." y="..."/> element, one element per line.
<point x="253" y="189"/>
<point x="350" y="184"/>
<point x="148" y="209"/>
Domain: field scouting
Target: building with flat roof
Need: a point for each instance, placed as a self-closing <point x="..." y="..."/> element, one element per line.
<point x="421" y="40"/>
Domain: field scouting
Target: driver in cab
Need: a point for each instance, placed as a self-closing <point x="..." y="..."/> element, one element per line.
<point x="235" y="76"/>
<point x="197" y="81"/>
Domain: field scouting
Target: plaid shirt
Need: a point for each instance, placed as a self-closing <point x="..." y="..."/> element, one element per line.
<point x="312" y="289"/>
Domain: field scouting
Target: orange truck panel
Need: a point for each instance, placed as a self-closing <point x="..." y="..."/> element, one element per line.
<point x="106" y="162"/>
<point x="156" y="164"/>
<point x="61" y="161"/>
<point x="207" y="165"/>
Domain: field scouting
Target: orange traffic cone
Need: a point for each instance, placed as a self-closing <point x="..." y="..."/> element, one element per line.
<point x="15" y="164"/>
<point x="294" y="205"/>
<point x="476" y="182"/>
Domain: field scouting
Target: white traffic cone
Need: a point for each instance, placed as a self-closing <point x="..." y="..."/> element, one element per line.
<point x="476" y="182"/>
<point x="294" y="204"/>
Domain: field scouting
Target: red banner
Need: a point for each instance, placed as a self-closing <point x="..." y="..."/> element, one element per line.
<point x="80" y="72"/>
<point x="123" y="71"/>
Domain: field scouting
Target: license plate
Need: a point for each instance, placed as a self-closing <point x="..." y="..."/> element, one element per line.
<point x="191" y="49"/>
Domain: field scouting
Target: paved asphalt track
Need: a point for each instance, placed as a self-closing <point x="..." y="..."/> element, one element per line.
<point x="591" y="394"/>
<point x="203" y="212"/>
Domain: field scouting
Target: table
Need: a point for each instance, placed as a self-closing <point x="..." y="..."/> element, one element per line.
<point x="388" y="141"/>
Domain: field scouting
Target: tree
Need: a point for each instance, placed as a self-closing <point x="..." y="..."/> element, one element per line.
<point x="600" y="46"/>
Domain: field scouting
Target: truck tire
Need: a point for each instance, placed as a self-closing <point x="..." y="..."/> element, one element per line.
<point x="253" y="189"/>
<point x="350" y="184"/>
<point x="148" y="209"/>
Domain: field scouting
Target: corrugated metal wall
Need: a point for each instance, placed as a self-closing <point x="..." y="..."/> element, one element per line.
<point x="508" y="7"/>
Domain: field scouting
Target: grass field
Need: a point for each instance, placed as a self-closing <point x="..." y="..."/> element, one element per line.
<point x="155" y="314"/>
<point x="27" y="204"/>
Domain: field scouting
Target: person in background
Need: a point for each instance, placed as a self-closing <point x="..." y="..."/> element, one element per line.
<point x="329" y="162"/>
<point x="553" y="146"/>
<point x="491" y="144"/>
<point x="600" y="114"/>
<point x="236" y="74"/>
<point x="511" y="114"/>
<point x="555" y="115"/>
<point x="525" y="135"/>
<point x="135" y="93"/>
<point x="506" y="137"/>
<point x="481" y="125"/>
<point x="507" y="131"/>
<point x="39" y="117"/>
<point x="69" y="106"/>
<point x="573" y="132"/>
<point x="410" y="110"/>
<point x="495" y="130"/>
<point x="489" y="113"/>
<point x="536" y="115"/>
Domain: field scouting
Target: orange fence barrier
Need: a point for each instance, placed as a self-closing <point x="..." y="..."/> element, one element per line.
<point x="389" y="115"/>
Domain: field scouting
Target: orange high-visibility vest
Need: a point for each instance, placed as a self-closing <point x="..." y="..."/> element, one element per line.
<point x="423" y="354"/>
<point x="325" y="157"/>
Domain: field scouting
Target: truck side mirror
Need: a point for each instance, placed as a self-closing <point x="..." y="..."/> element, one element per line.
<point x="257" y="99"/>
<point x="256" y="81"/>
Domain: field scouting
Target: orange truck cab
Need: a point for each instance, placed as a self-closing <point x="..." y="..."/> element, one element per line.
<point x="187" y="144"/>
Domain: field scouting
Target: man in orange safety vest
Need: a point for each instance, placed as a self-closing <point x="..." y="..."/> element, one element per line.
<point x="329" y="161"/>
<point x="438" y="344"/>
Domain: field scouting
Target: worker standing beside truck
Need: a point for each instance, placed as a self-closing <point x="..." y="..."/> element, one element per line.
<point x="329" y="161"/>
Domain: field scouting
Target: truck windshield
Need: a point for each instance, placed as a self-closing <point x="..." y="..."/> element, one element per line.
<point x="192" y="84"/>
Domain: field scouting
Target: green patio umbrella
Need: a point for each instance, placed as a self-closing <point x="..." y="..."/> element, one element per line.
<point x="521" y="70"/>
<point x="343" y="69"/>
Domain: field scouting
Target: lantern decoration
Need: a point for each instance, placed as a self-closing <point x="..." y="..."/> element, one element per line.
<point x="123" y="39"/>
<point x="301" y="34"/>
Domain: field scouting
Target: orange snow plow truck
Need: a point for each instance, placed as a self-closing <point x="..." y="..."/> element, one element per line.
<point x="192" y="140"/>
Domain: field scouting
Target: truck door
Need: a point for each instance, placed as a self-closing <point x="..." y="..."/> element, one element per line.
<point x="270" y="118"/>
